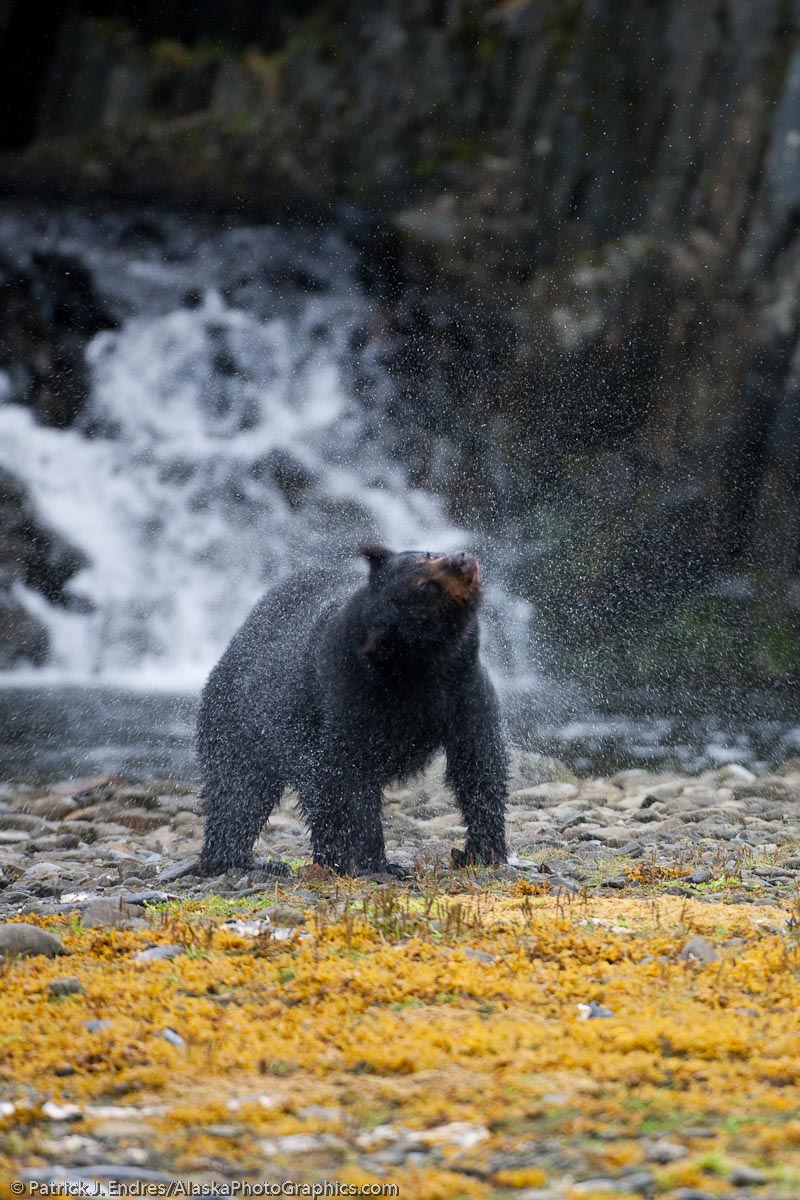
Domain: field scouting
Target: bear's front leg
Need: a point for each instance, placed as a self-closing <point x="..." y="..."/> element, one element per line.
<point x="477" y="771"/>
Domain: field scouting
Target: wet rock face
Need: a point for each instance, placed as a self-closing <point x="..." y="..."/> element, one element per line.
<point x="26" y="940"/>
<point x="30" y="552"/>
<point x="24" y="639"/>
<point x="48" y="312"/>
<point x="35" y="556"/>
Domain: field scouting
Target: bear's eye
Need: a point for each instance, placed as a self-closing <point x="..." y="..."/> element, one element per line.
<point x="428" y="585"/>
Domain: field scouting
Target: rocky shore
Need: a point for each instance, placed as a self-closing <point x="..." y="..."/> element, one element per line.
<point x="441" y="1035"/>
<point x="64" y="845"/>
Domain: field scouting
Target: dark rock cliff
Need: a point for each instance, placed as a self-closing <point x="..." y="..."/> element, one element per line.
<point x="48" y="310"/>
<point x="34" y="556"/>
<point x="581" y="218"/>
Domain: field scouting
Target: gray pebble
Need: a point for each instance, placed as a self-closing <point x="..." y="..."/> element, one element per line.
<point x="54" y="841"/>
<point x="158" y="953"/>
<point x="698" y="948"/>
<point x="392" y="1156"/>
<point x="22" y="821"/>
<point x="69" y="986"/>
<point x="185" y="866"/>
<point x="480" y="955"/>
<point x="599" y="1010"/>
<point x="561" y="886"/>
<point x="135" y="873"/>
<point x="743" y="1176"/>
<point x="599" y="1183"/>
<point x="53" y="808"/>
<point x="637" y="1181"/>
<point x="111" y="913"/>
<point x="149" y="897"/>
<point x="661" y="1150"/>
<point x="27" y="941"/>
<point x="321" y="1112"/>
<point x="285" y="917"/>
<point x="174" y="1039"/>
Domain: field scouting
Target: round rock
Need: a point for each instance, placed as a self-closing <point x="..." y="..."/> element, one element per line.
<point x="25" y="941"/>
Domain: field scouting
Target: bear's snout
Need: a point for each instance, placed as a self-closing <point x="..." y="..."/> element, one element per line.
<point x="464" y="565"/>
<point x="458" y="576"/>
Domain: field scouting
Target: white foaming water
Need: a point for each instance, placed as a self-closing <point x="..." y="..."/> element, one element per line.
<point x="223" y="445"/>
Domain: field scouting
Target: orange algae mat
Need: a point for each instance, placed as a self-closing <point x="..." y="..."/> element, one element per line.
<point x="449" y="1025"/>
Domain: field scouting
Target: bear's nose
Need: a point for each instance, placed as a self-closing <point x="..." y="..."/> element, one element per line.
<point x="466" y="566"/>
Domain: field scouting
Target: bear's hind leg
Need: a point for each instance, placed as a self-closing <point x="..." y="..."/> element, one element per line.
<point x="236" y="812"/>
<point x="477" y="770"/>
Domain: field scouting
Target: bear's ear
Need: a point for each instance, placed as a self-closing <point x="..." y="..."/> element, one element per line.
<point x="376" y="556"/>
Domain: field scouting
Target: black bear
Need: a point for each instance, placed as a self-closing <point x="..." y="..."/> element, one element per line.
<point x="338" y="692"/>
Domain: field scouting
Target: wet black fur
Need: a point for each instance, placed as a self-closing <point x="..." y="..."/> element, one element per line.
<point x="336" y="690"/>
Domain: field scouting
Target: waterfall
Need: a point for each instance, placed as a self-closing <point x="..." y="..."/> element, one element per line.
<point x="235" y="428"/>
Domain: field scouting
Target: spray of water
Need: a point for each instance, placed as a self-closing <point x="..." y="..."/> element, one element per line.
<point x="223" y="444"/>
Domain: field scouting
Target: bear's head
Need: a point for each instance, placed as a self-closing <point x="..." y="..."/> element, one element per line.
<point x="418" y="602"/>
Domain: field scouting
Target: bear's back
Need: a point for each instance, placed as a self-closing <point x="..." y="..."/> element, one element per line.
<point x="264" y="673"/>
